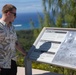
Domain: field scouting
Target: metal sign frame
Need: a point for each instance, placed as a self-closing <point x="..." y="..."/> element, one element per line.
<point x="52" y="47"/>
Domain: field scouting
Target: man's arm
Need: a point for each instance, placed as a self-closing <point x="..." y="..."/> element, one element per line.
<point x="20" y="49"/>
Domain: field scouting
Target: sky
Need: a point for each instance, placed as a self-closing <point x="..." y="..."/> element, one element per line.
<point x="24" y="6"/>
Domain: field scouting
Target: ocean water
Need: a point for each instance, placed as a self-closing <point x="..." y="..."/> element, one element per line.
<point x="22" y="21"/>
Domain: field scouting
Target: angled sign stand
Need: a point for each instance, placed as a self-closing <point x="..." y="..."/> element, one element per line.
<point x="55" y="46"/>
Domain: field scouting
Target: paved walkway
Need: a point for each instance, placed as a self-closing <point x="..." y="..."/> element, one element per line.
<point x="21" y="71"/>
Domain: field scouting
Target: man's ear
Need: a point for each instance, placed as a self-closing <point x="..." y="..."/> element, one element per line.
<point x="8" y="13"/>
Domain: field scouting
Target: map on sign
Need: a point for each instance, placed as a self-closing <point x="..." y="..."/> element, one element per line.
<point x="66" y="54"/>
<point x="56" y="47"/>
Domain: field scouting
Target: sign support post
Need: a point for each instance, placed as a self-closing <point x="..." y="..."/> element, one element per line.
<point x="28" y="67"/>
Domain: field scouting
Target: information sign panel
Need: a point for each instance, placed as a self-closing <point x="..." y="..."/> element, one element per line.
<point x="55" y="46"/>
<point x="66" y="54"/>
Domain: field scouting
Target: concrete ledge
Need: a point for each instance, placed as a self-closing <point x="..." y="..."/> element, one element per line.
<point x="21" y="71"/>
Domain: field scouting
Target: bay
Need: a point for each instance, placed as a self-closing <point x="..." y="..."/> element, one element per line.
<point x="22" y="21"/>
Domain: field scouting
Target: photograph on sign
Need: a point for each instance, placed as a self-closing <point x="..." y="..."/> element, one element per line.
<point x="66" y="54"/>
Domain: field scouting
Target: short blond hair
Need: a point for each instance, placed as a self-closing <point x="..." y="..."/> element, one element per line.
<point x="8" y="7"/>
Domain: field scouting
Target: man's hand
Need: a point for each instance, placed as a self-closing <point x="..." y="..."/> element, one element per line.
<point x="19" y="48"/>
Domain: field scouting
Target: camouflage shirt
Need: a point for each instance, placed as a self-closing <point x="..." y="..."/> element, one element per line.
<point x="7" y="45"/>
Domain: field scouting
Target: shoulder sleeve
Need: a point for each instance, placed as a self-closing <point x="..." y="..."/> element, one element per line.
<point x="14" y="31"/>
<point x="2" y="34"/>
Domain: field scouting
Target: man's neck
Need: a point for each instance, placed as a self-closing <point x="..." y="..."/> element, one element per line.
<point x="5" y="18"/>
<point x="6" y="21"/>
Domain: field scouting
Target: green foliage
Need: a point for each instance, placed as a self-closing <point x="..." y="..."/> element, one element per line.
<point x="20" y="60"/>
<point x="32" y="24"/>
<point x="67" y="15"/>
<point x="52" y="68"/>
<point x="59" y="22"/>
<point x="40" y="20"/>
<point x="69" y="18"/>
<point x="47" y="22"/>
<point x="28" y="35"/>
<point x="25" y="37"/>
<point x="35" y="33"/>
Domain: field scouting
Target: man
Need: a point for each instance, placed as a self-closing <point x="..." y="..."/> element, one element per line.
<point x="8" y="41"/>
